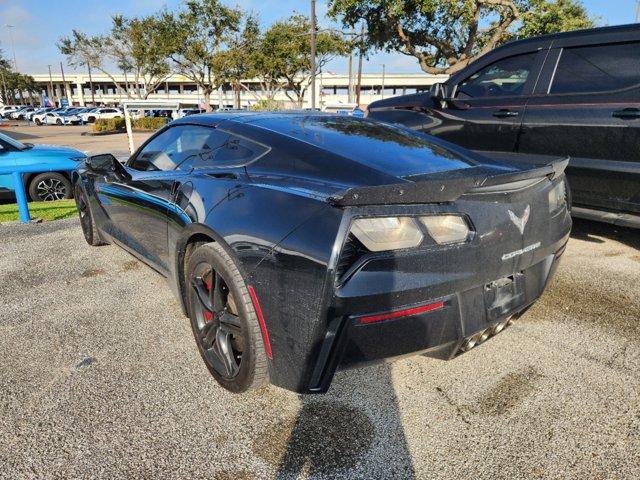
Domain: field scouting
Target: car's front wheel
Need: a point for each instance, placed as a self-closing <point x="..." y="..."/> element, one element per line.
<point x="38" y="121"/>
<point x="223" y="319"/>
<point x="50" y="186"/>
<point x="88" y="224"/>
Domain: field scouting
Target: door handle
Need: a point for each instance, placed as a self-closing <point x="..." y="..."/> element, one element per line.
<point x="504" y="113"/>
<point x="627" y="113"/>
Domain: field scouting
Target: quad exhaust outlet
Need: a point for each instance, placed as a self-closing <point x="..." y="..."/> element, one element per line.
<point x="483" y="335"/>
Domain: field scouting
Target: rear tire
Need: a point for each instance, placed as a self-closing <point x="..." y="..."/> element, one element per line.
<point x="50" y="186"/>
<point x="38" y="121"/>
<point x="88" y="224"/>
<point x="245" y="344"/>
<point x="58" y="122"/>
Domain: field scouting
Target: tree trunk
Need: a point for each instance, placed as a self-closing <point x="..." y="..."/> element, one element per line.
<point x="236" y="89"/>
<point x="207" y="99"/>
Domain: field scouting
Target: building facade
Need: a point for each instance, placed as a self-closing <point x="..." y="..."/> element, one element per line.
<point x="331" y="89"/>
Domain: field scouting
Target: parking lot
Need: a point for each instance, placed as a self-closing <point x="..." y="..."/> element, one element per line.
<point x="100" y="377"/>
<point x="74" y="136"/>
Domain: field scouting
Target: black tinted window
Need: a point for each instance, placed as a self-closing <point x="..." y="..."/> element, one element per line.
<point x="221" y="149"/>
<point x="505" y="77"/>
<point x="597" y="69"/>
<point x="238" y="151"/>
<point x="175" y="146"/>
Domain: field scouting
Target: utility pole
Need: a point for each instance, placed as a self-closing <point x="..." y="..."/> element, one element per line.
<point x="64" y="86"/>
<point x="383" y="72"/>
<point x="93" y="95"/>
<point x="13" y="48"/>
<point x="359" y="85"/>
<point x="52" y="93"/>
<point x="313" y="53"/>
<point x="352" y="34"/>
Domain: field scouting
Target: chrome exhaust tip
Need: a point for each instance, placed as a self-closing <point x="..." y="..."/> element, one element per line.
<point x="469" y="343"/>
<point x="484" y="335"/>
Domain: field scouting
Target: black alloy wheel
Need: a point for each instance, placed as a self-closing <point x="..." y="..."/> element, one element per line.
<point x="48" y="187"/>
<point x="87" y="223"/>
<point x="223" y="319"/>
<point x="219" y="329"/>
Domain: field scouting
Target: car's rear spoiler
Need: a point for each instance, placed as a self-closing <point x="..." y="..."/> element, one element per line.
<point x="442" y="188"/>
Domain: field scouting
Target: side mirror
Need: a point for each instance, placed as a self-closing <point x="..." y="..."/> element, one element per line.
<point x="104" y="163"/>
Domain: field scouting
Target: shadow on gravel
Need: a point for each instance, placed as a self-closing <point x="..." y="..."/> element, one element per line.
<point x="331" y="435"/>
<point x="589" y="231"/>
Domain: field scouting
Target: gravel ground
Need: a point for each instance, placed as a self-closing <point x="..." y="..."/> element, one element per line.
<point x="100" y="378"/>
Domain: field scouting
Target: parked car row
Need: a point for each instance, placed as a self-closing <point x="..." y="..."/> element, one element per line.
<point x="60" y="115"/>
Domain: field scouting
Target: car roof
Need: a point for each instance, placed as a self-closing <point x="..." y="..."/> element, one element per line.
<point x="631" y="27"/>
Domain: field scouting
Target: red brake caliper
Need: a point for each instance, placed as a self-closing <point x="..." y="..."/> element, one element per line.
<point x="208" y="316"/>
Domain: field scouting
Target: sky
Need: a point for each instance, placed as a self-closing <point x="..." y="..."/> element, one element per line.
<point x="38" y="24"/>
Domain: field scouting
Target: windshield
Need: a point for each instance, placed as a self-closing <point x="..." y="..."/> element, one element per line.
<point x="6" y="140"/>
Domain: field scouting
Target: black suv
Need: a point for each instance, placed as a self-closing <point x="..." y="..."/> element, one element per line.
<point x="571" y="94"/>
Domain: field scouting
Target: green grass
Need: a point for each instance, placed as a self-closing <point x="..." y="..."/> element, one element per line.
<point x="57" y="210"/>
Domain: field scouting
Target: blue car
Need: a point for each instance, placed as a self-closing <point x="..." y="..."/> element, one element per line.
<point x="43" y="186"/>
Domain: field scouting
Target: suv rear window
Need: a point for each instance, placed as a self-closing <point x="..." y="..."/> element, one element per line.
<point x="597" y="69"/>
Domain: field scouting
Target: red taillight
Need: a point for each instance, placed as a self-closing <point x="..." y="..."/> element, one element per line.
<point x="263" y="326"/>
<point x="402" y="313"/>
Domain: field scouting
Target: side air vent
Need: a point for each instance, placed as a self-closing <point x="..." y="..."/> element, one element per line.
<point x="351" y="252"/>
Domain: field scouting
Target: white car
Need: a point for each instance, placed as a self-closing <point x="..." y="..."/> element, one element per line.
<point x="105" y="112"/>
<point x="6" y="110"/>
<point x="185" y="112"/>
<point x="54" y="118"/>
<point x="29" y="116"/>
<point x="21" y="113"/>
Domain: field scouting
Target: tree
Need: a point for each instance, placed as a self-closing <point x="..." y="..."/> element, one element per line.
<point x="198" y="34"/>
<point x="286" y="54"/>
<point x="5" y="68"/>
<point x="236" y="63"/>
<point x="446" y="35"/>
<point x="135" y="46"/>
<point x="550" y="17"/>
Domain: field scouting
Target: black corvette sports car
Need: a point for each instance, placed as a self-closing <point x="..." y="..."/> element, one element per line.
<point x="300" y="243"/>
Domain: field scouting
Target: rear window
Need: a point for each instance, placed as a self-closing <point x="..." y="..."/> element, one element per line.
<point x="383" y="146"/>
<point x="597" y="68"/>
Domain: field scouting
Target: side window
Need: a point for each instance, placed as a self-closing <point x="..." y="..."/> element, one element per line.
<point x="505" y="77"/>
<point x="597" y="69"/>
<point x="238" y="151"/>
<point x="206" y="141"/>
<point x="223" y="149"/>
<point x="175" y="146"/>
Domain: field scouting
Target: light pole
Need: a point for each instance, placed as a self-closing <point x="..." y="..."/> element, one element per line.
<point x="313" y="54"/>
<point x="52" y="93"/>
<point x="13" y="48"/>
<point x="352" y="33"/>
<point x="359" y="84"/>
<point x="638" y="11"/>
<point x="64" y="87"/>
<point x="383" y="72"/>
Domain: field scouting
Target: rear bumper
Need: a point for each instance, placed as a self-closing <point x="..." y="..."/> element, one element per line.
<point x="460" y="320"/>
